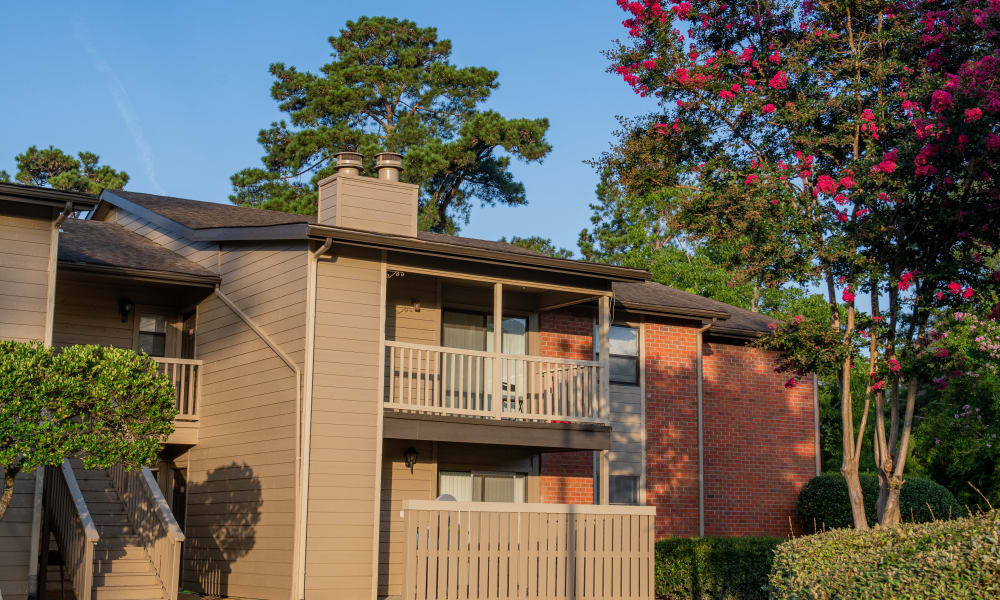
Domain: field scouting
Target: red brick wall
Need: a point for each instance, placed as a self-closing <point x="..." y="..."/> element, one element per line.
<point x="672" y="427"/>
<point x="567" y="477"/>
<point x="759" y="442"/>
<point x="759" y="437"/>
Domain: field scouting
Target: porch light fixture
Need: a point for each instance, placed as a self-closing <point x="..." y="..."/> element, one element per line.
<point x="416" y="304"/>
<point x="410" y="456"/>
<point x="125" y="308"/>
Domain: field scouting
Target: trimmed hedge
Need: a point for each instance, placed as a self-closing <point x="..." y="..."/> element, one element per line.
<point x="957" y="559"/>
<point x="714" y="568"/>
<point x="825" y="503"/>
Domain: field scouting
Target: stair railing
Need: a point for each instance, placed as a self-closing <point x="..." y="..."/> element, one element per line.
<point x="72" y="526"/>
<point x="153" y="522"/>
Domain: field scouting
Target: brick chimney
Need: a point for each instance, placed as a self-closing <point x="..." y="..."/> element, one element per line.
<point x="380" y="204"/>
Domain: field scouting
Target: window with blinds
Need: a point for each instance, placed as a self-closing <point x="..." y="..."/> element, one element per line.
<point x="482" y="486"/>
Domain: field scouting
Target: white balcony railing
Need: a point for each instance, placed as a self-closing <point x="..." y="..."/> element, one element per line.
<point x="451" y="381"/>
<point x="185" y="375"/>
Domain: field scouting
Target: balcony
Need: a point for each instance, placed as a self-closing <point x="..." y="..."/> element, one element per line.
<point x="185" y="375"/>
<point x="468" y="383"/>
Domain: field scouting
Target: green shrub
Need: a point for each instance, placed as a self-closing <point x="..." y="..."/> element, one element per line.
<point x="714" y="568"/>
<point x="825" y="503"/>
<point x="957" y="559"/>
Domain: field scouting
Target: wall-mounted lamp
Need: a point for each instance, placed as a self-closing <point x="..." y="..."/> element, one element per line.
<point x="410" y="456"/>
<point x="416" y="304"/>
<point x="125" y="308"/>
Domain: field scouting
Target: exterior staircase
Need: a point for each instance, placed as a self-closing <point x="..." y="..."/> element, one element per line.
<point x="117" y="537"/>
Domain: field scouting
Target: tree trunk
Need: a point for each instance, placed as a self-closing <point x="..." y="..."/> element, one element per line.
<point x="889" y="510"/>
<point x="849" y="469"/>
<point x="8" y="489"/>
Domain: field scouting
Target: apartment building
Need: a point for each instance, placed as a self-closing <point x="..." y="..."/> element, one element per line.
<point x="353" y="423"/>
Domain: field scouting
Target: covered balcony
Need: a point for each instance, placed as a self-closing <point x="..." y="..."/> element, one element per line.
<point x="442" y="359"/>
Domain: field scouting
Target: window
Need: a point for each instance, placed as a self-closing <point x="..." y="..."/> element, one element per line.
<point x="624" y="489"/>
<point x="153" y="334"/>
<point x="624" y="356"/>
<point x="475" y="486"/>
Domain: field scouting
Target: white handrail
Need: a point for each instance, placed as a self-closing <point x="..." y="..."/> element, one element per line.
<point x="89" y="529"/>
<point x="531" y="357"/>
<point x="150" y="516"/>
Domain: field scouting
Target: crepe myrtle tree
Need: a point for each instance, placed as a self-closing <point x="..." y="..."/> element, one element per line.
<point x="391" y="86"/>
<point x="845" y="145"/>
<point x="103" y="405"/>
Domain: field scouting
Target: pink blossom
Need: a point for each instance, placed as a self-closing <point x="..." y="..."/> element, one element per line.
<point x="973" y="114"/>
<point x="798" y="319"/>
<point x="768" y="109"/>
<point x="848" y="295"/>
<point x="868" y="115"/>
<point x="727" y="95"/>
<point x="772" y="326"/>
<point x="791" y="383"/>
<point x="954" y="287"/>
<point x="939" y="295"/>
<point x="779" y="81"/>
<point x="878" y="385"/>
<point x="894" y="365"/>
<point x="840" y="199"/>
<point x="941" y="353"/>
<point x="775" y="57"/>
<point x="993" y="142"/>
<point x="751" y="179"/>
<point x="940" y="101"/>
<point x="826" y="184"/>
<point x="847" y="181"/>
<point x="968" y="293"/>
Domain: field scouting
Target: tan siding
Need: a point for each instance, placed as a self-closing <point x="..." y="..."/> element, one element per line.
<point x="241" y="475"/>
<point x="25" y="242"/>
<point x="403" y="322"/>
<point x="15" y="540"/>
<point x="204" y="253"/>
<point x="342" y="482"/>
<point x="369" y="204"/>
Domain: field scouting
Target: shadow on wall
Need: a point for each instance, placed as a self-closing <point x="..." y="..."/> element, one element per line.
<point x="222" y="514"/>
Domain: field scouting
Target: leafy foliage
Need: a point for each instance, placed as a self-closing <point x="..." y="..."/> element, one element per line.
<point x="104" y="405"/>
<point x="823" y="503"/>
<point x="714" y="568"/>
<point x="539" y="244"/>
<point x="54" y="168"/>
<point x="851" y="146"/>
<point x="957" y="438"/>
<point x="391" y="87"/>
<point x="957" y="559"/>
<point x="632" y="230"/>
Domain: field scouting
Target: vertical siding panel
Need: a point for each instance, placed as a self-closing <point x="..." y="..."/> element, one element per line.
<point x="343" y="483"/>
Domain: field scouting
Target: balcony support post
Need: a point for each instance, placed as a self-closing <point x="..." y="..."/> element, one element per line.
<point x="497" y="383"/>
<point x="604" y="332"/>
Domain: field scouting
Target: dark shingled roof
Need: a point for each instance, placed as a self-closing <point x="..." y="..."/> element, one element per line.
<point x="103" y="244"/>
<point x="652" y="294"/>
<point x="195" y="214"/>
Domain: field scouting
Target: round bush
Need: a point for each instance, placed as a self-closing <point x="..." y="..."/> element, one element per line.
<point x="824" y="504"/>
<point x="957" y="559"/>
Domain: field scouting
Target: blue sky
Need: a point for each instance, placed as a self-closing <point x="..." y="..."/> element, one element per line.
<point x="175" y="93"/>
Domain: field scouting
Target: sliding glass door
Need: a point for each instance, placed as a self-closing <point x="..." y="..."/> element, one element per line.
<point x="468" y="380"/>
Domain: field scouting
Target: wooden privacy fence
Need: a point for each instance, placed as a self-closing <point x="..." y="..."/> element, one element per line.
<point x="475" y="550"/>
<point x="185" y="375"/>
<point x="465" y="382"/>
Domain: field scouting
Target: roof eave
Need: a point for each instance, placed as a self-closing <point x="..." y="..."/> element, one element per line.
<point x="419" y="246"/>
<point x="46" y="196"/>
<point x="187" y="279"/>
<point x="673" y="311"/>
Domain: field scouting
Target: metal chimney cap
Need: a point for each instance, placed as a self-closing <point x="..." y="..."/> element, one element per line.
<point x="389" y="164"/>
<point x="348" y="163"/>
